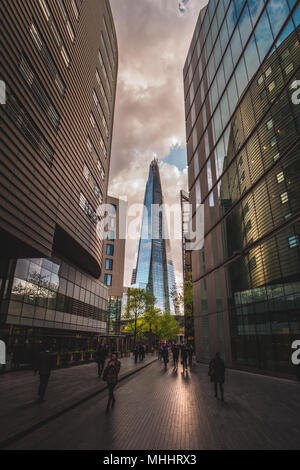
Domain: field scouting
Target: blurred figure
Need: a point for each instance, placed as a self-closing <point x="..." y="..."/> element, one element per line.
<point x="190" y="353"/>
<point x="217" y="374"/>
<point x="136" y="353"/>
<point x="110" y="375"/>
<point x="175" y="352"/>
<point x="184" y="357"/>
<point x="101" y="355"/>
<point x="17" y="355"/>
<point x="165" y="355"/>
<point x="43" y="366"/>
<point x="141" y="352"/>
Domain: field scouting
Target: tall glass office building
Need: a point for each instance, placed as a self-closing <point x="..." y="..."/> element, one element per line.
<point x="155" y="270"/>
<point x="243" y="140"/>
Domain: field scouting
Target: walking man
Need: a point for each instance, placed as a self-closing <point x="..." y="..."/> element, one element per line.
<point x="190" y="353"/>
<point x="136" y="354"/>
<point x="175" y="351"/>
<point x="110" y="375"/>
<point x="217" y="374"/>
<point x="184" y="357"/>
<point x="101" y="355"/>
<point x="43" y="366"/>
<point x="165" y="355"/>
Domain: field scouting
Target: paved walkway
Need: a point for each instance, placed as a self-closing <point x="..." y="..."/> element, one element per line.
<point x="19" y="409"/>
<point x="158" y="410"/>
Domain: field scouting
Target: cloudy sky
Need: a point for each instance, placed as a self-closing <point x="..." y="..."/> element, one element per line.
<point x="153" y="40"/>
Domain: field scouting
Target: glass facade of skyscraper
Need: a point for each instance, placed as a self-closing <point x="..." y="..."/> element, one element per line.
<point x="155" y="270"/>
<point x="243" y="140"/>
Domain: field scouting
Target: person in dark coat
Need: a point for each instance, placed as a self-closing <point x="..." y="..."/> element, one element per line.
<point x="136" y="353"/>
<point x="43" y="366"/>
<point x="190" y="354"/>
<point x="17" y="355"/>
<point x="217" y="374"/>
<point x="184" y="357"/>
<point x="165" y="355"/>
<point x="141" y="352"/>
<point x="175" y="352"/>
<point x="101" y="355"/>
<point x="110" y="376"/>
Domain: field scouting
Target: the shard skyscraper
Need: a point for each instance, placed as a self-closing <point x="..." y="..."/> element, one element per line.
<point x="155" y="270"/>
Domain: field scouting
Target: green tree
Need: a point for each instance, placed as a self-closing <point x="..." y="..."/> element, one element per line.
<point x="139" y="302"/>
<point x="166" y="327"/>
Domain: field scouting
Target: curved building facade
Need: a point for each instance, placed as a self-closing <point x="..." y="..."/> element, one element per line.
<point x="243" y="138"/>
<point x="59" y="62"/>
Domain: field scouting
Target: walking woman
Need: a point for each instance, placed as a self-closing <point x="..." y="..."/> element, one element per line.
<point x="110" y="375"/>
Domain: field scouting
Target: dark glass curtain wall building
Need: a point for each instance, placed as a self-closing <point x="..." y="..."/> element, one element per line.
<point x="59" y="61"/>
<point x="155" y="270"/>
<point x="243" y="141"/>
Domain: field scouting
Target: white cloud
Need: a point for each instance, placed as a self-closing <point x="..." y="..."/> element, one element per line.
<point x="153" y="42"/>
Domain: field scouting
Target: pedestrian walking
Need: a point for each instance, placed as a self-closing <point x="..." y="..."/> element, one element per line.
<point x="184" y="358"/>
<point x="175" y="352"/>
<point x="17" y="355"/>
<point x="165" y="355"/>
<point x="216" y="372"/>
<point x="110" y="376"/>
<point x="190" y="354"/>
<point x="101" y="355"/>
<point x="141" y="352"/>
<point x="136" y="353"/>
<point x="43" y="366"/>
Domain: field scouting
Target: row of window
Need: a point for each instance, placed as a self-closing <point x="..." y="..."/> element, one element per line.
<point x="95" y="157"/>
<point x="98" y="134"/>
<point x="54" y="30"/>
<point x="100" y="112"/>
<point x="29" y="129"/>
<point x="92" y="182"/>
<point x="38" y="91"/>
<point x="47" y="59"/>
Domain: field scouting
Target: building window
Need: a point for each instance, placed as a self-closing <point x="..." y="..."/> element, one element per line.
<point x="271" y="86"/>
<point x="75" y="9"/>
<point x="285" y="54"/>
<point x="280" y="177"/>
<point x="38" y="91"/>
<point x="270" y="124"/>
<point x="275" y="158"/>
<point x="268" y="72"/>
<point x="92" y="182"/>
<point x="273" y="141"/>
<point x="289" y="69"/>
<point x="108" y="280"/>
<point x="111" y="236"/>
<point x="29" y="130"/>
<point x="260" y="80"/>
<point x="263" y="94"/>
<point x="66" y="19"/>
<point x="47" y="59"/>
<point x="252" y="263"/>
<point x="108" y="264"/>
<point x="87" y="208"/>
<point x="112" y="222"/>
<point x="293" y="241"/>
<point x="284" y="197"/>
<point x="45" y="9"/>
<point x="110" y="250"/>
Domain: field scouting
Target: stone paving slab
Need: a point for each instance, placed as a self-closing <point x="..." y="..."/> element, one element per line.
<point x="19" y="409"/>
<point x="164" y="410"/>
